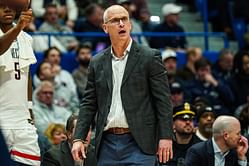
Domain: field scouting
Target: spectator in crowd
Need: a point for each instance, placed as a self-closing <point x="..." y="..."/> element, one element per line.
<point x="177" y="93"/>
<point x="53" y="56"/>
<point x="170" y="12"/>
<point x="240" y="81"/>
<point x="44" y="72"/>
<point x="16" y="56"/>
<point x="83" y="56"/>
<point x="146" y="24"/>
<point x="131" y="79"/>
<point x="55" y="133"/>
<point x="238" y="110"/>
<point x="169" y="59"/>
<point x="219" y="17"/>
<point x="136" y="28"/>
<point x="140" y="5"/>
<point x="63" y="96"/>
<point x="61" y="155"/>
<point x="45" y="111"/>
<point x="244" y="120"/>
<point x="81" y="7"/>
<point x="52" y="24"/>
<point x="40" y="42"/>
<point x="67" y="10"/>
<point x="188" y="71"/>
<point x="183" y="125"/>
<point x="227" y="146"/>
<point x="93" y="23"/>
<point x="205" y="84"/>
<point x="223" y="67"/>
<point x="205" y="118"/>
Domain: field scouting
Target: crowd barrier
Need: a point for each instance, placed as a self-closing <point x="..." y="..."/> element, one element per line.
<point x="69" y="62"/>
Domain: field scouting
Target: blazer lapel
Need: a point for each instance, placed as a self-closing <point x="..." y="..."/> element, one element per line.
<point x="231" y="158"/>
<point x="131" y="61"/>
<point x="107" y="66"/>
<point x="210" y="151"/>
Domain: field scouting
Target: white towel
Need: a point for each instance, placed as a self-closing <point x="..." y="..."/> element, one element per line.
<point x="26" y="56"/>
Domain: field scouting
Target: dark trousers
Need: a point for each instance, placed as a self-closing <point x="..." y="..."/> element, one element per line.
<point x="122" y="150"/>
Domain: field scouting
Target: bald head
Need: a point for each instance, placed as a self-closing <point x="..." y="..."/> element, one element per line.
<point x="224" y="123"/>
<point x="113" y="9"/>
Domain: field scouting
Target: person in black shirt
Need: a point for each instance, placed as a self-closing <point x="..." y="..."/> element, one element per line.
<point x="183" y="125"/>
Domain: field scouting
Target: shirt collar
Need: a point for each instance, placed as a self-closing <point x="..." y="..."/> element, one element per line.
<point x="217" y="149"/>
<point x="127" y="50"/>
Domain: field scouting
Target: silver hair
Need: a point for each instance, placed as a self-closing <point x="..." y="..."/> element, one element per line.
<point x="222" y="123"/>
<point x="43" y="84"/>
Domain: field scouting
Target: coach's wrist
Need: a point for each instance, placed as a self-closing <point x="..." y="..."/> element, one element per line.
<point x="79" y="140"/>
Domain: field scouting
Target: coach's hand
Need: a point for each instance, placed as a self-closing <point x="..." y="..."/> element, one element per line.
<point x="165" y="152"/>
<point x="78" y="151"/>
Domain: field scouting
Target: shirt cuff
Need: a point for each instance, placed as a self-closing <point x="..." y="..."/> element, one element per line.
<point x="242" y="162"/>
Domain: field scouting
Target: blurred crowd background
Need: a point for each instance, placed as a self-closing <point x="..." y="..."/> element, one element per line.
<point x="204" y="46"/>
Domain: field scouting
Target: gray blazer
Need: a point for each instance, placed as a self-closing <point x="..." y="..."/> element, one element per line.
<point x="144" y="92"/>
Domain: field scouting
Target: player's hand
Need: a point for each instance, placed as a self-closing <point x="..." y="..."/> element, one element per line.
<point x="242" y="148"/>
<point x="165" y="152"/>
<point x="25" y="18"/>
<point x="78" y="151"/>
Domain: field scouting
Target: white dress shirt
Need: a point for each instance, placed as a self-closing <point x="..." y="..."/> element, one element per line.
<point x="116" y="116"/>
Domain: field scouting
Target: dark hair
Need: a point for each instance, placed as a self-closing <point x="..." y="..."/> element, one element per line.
<point x="38" y="69"/>
<point x="51" y="5"/>
<point x="243" y="117"/>
<point x="70" y="122"/>
<point x="90" y="9"/>
<point x="46" y="52"/>
<point x="85" y="45"/>
<point x="238" y="61"/>
<point x="223" y="52"/>
<point x="190" y="52"/>
<point x="203" y="62"/>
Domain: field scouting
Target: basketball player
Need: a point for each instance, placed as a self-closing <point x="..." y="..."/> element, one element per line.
<point x="16" y="55"/>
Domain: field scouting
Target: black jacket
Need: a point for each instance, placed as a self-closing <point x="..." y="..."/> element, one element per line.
<point x="203" y="154"/>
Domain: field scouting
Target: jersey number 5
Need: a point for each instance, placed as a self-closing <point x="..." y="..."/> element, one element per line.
<point x="17" y="71"/>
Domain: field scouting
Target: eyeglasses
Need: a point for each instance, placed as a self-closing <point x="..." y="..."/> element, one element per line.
<point x="47" y="92"/>
<point x="116" y="21"/>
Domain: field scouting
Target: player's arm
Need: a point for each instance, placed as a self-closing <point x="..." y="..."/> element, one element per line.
<point x="6" y="40"/>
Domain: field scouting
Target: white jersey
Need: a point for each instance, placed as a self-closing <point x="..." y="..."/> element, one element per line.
<point x="14" y="73"/>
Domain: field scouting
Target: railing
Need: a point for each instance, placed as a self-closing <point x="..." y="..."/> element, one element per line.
<point x="206" y="35"/>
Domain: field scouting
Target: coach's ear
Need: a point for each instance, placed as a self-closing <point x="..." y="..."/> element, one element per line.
<point x="105" y="28"/>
